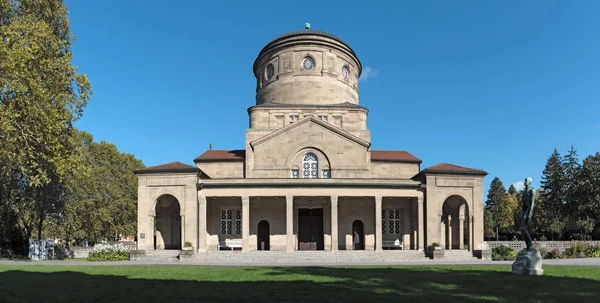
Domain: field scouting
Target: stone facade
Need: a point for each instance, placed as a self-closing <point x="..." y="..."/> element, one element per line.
<point x="308" y="178"/>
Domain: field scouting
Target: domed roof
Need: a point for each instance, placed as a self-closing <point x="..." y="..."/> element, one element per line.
<point x="308" y="32"/>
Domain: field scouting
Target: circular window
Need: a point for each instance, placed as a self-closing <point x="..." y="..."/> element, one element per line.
<point x="345" y="72"/>
<point x="270" y="71"/>
<point x="308" y="63"/>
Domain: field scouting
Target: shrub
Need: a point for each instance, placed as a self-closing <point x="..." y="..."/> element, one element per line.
<point x="543" y="252"/>
<point x="104" y="252"/>
<point x="577" y="250"/>
<point x="593" y="251"/>
<point x="503" y="252"/>
<point x="435" y="244"/>
<point x="187" y="244"/>
<point x="555" y="254"/>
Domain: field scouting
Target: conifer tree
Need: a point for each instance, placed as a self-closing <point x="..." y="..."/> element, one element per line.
<point x="496" y="203"/>
<point x="552" y="197"/>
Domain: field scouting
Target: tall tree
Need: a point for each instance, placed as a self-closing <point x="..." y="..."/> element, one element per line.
<point x="585" y="204"/>
<point x="512" y="190"/>
<point x="109" y="187"/>
<point x="41" y="95"/>
<point x="496" y="203"/>
<point x="553" y="183"/>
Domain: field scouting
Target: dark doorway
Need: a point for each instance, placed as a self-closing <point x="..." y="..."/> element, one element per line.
<point x="358" y="235"/>
<point x="263" y="236"/>
<point x="310" y="229"/>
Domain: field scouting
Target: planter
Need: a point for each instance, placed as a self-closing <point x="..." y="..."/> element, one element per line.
<point x="437" y="254"/>
<point x="137" y="254"/>
<point x="186" y="255"/>
<point x="186" y="248"/>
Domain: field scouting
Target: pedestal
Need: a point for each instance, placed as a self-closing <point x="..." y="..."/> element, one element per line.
<point x="528" y="263"/>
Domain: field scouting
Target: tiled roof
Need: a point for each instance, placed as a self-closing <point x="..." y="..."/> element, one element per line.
<point x="221" y="155"/>
<point x="168" y="167"/>
<point x="451" y="168"/>
<point x="393" y="156"/>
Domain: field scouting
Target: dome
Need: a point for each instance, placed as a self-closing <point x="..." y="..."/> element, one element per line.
<point x="307" y="67"/>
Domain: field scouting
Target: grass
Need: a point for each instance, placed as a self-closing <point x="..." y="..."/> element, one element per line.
<point x="23" y="283"/>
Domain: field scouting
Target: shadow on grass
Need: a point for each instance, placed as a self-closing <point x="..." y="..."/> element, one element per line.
<point x="314" y="284"/>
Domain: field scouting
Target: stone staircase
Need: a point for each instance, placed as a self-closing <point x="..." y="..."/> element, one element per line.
<point x="458" y="255"/>
<point x="278" y="257"/>
<point x="161" y="255"/>
<point x="302" y="257"/>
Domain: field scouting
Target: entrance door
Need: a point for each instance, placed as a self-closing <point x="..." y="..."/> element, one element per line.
<point x="358" y="235"/>
<point x="263" y="236"/>
<point x="310" y="229"/>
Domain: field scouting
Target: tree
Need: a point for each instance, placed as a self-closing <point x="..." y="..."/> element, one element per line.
<point x="41" y="95"/>
<point x="512" y="190"/>
<point x="108" y="187"/>
<point x="553" y="183"/>
<point x="584" y="206"/>
<point x="496" y="203"/>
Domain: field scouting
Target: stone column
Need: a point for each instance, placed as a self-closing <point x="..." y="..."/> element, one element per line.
<point x="334" y="223"/>
<point x="449" y="232"/>
<point x="202" y="234"/>
<point x="245" y="223"/>
<point x="378" y="232"/>
<point x="182" y="230"/>
<point x="472" y="233"/>
<point x="150" y="234"/>
<point x="442" y="230"/>
<point x="420" y="223"/>
<point x="289" y="223"/>
<point x="461" y="231"/>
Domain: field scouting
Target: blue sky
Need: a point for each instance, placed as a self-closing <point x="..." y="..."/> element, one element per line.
<point x="495" y="85"/>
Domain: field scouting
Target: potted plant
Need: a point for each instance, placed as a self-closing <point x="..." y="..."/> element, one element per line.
<point x="436" y="251"/>
<point x="187" y="245"/>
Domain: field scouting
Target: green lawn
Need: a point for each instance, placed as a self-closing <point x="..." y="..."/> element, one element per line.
<point x="22" y="283"/>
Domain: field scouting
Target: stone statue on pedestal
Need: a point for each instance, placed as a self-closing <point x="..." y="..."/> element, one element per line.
<point x="529" y="260"/>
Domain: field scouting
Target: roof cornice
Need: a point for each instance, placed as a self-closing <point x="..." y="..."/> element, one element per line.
<point x="308" y="119"/>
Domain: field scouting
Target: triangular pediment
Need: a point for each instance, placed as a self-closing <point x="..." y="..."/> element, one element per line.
<point x="315" y="121"/>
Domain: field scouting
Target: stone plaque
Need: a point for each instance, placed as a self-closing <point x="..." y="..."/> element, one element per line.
<point x="142" y="235"/>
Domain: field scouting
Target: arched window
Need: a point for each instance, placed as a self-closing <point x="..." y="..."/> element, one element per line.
<point x="310" y="166"/>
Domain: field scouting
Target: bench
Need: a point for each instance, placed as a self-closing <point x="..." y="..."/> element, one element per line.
<point x="392" y="244"/>
<point x="230" y="244"/>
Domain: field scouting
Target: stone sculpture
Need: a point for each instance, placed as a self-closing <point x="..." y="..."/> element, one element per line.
<point x="529" y="260"/>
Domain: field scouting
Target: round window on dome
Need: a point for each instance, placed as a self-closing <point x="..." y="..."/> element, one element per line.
<point x="308" y="63"/>
<point x="270" y="71"/>
<point x="345" y="72"/>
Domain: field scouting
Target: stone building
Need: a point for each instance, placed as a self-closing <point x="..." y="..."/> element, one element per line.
<point x="308" y="178"/>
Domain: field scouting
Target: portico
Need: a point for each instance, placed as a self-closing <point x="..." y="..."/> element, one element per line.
<point x="308" y="219"/>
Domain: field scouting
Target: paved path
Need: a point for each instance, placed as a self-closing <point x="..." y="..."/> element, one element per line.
<point x="566" y="262"/>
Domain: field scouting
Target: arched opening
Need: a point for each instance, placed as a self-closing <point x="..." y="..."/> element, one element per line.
<point x="167" y="223"/>
<point x="358" y="235"/>
<point x="264" y="236"/>
<point x="455" y="224"/>
<point x="310" y="166"/>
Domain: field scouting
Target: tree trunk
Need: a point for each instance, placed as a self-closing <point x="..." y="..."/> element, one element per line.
<point x="40" y="226"/>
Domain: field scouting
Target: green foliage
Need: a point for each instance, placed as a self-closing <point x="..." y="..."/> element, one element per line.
<point x="41" y="95"/>
<point x="500" y="208"/>
<point x="103" y="252"/>
<point x="109" y="187"/>
<point x="554" y="185"/>
<point x="502" y="252"/>
<point x="187" y="244"/>
<point x="108" y="256"/>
